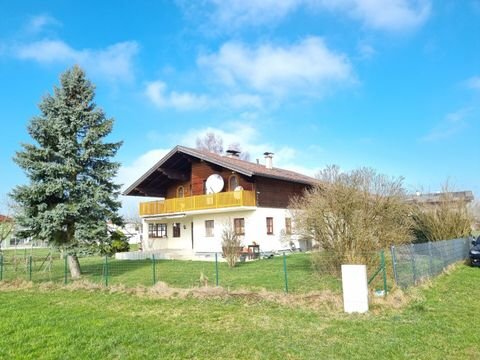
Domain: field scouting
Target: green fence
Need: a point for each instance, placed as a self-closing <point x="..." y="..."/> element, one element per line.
<point x="287" y="272"/>
<point x="415" y="263"/>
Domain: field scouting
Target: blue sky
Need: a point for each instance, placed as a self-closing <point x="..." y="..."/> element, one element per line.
<point x="394" y="85"/>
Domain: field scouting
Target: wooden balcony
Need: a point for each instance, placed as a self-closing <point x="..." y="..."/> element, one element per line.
<point x="199" y="202"/>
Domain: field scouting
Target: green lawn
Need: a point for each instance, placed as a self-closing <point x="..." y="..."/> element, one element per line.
<point x="64" y="324"/>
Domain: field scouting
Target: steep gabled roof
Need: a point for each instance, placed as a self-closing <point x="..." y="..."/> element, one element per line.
<point x="243" y="167"/>
<point x="4" y="218"/>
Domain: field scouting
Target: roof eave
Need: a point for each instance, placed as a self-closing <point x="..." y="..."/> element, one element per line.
<point x="150" y="171"/>
<point x="187" y="151"/>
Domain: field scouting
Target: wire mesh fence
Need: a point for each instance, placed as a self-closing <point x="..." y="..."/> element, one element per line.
<point x="405" y="266"/>
<point x="417" y="262"/>
<point x="289" y="272"/>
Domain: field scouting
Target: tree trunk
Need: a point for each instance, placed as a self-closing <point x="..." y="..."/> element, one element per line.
<point x="74" y="266"/>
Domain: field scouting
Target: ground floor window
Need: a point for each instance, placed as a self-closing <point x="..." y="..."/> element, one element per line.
<point x="209" y="226"/>
<point x="269" y="225"/>
<point x="239" y="226"/>
<point x="288" y="226"/>
<point x="176" y="230"/>
<point x="157" y="230"/>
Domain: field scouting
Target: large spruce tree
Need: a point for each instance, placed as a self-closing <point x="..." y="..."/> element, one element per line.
<point x="71" y="195"/>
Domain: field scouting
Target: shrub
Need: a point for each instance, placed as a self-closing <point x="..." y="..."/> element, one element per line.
<point x="448" y="218"/>
<point x="351" y="216"/>
<point x="231" y="244"/>
<point x="117" y="242"/>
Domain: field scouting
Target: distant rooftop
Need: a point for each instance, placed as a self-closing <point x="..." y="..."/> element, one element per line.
<point x="435" y="198"/>
<point x="4" y="218"/>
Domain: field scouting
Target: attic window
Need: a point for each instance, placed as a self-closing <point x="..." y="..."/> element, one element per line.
<point x="180" y="192"/>
<point x="232" y="182"/>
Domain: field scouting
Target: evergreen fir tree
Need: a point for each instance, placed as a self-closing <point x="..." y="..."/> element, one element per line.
<point x="71" y="194"/>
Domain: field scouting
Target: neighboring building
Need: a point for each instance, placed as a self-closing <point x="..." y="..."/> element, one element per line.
<point x="6" y="231"/>
<point x="465" y="197"/>
<point x="203" y="192"/>
<point x="131" y="229"/>
<point x="8" y="228"/>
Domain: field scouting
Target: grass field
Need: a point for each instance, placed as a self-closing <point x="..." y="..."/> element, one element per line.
<point x="65" y="324"/>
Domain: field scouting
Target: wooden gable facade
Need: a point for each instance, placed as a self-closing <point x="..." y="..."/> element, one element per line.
<point x="184" y="172"/>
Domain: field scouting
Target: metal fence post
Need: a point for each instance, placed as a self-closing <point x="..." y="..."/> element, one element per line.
<point x="65" y="269"/>
<point x="216" y="269"/>
<point x="430" y="258"/>
<point x="384" y="272"/>
<point x="154" y="270"/>
<point x="105" y="270"/>
<point x="414" y="267"/>
<point x="394" y="264"/>
<point x="285" y="272"/>
<point x="30" y="268"/>
<point x="1" y="267"/>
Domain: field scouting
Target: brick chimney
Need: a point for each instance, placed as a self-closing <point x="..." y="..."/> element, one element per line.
<point x="233" y="153"/>
<point x="268" y="160"/>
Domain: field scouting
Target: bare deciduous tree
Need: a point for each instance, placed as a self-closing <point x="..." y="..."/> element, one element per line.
<point x="7" y="221"/>
<point x="475" y="211"/>
<point x="449" y="217"/>
<point x="352" y="215"/>
<point x="214" y="143"/>
<point x="231" y="244"/>
<point x="210" y="142"/>
<point x="244" y="155"/>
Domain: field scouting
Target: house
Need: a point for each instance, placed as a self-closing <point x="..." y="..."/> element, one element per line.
<point x="8" y="239"/>
<point x="203" y="193"/>
<point x="131" y="229"/>
<point x="6" y="231"/>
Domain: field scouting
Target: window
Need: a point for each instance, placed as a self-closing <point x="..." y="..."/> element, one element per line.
<point x="209" y="225"/>
<point x="180" y="192"/>
<point x="176" y="230"/>
<point x="288" y="226"/>
<point x="269" y="225"/>
<point x="157" y="230"/>
<point x="233" y="182"/>
<point x="239" y="226"/>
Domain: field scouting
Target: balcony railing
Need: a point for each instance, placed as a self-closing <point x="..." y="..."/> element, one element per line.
<point x="198" y="202"/>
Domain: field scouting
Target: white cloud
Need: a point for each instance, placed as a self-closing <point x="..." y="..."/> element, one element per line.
<point x="114" y="62"/>
<point x="243" y="100"/>
<point x="452" y="124"/>
<point x="365" y="50"/>
<point x="285" y="157"/>
<point x="390" y="15"/>
<point x="128" y="174"/>
<point x="473" y="83"/>
<point x="156" y="92"/>
<point x="38" y="23"/>
<point x="250" y="141"/>
<point x="246" y="12"/>
<point x="307" y="67"/>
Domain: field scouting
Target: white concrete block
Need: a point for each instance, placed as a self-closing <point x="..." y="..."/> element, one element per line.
<point x="355" y="288"/>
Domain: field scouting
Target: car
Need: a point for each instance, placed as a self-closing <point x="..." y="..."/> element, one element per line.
<point x="474" y="253"/>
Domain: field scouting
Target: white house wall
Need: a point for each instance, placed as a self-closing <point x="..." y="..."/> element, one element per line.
<point x="255" y="231"/>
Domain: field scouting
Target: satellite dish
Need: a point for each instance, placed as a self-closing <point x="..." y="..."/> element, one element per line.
<point x="237" y="195"/>
<point x="214" y="184"/>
